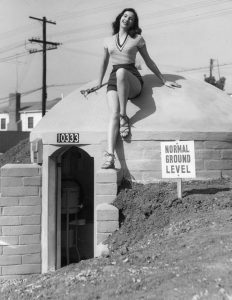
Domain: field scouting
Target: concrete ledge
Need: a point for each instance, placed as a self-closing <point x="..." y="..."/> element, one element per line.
<point x="14" y="170"/>
<point x="107" y="212"/>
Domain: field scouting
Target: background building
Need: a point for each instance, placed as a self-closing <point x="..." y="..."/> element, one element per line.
<point x="17" y="116"/>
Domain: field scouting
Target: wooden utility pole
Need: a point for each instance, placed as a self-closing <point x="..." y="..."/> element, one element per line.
<point x="44" y="42"/>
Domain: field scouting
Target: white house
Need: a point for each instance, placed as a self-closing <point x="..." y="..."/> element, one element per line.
<point x="25" y="116"/>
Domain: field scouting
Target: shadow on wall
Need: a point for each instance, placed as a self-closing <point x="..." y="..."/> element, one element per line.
<point x="146" y="101"/>
<point x="146" y="104"/>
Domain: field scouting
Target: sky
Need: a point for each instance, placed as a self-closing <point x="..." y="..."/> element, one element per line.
<point x="181" y="36"/>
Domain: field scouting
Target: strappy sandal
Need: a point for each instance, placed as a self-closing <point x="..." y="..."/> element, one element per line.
<point x="109" y="161"/>
<point x="124" y="127"/>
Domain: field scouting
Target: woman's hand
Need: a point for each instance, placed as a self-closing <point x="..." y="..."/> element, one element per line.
<point x="172" y="84"/>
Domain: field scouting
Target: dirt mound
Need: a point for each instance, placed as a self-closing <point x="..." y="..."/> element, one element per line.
<point x="19" y="154"/>
<point x="149" y="208"/>
<point x="166" y="248"/>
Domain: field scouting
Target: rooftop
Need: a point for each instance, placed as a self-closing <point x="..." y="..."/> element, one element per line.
<point x="31" y="106"/>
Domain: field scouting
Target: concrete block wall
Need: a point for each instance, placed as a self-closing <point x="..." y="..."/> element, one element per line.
<point x="141" y="159"/>
<point x="20" y="219"/>
<point x="107" y="215"/>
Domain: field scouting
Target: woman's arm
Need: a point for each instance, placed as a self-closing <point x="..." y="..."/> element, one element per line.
<point x="103" y="66"/>
<point x="153" y="67"/>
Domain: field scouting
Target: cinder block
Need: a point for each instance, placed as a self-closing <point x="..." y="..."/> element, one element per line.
<point x="106" y="188"/>
<point x="107" y="212"/>
<point x="20" y="191"/>
<point x="207" y="154"/>
<point x="130" y="153"/>
<point x="218" y="164"/>
<point x="217" y="145"/>
<point x="109" y="176"/>
<point x="22" y="249"/>
<point x="30" y="220"/>
<point x="21" y="230"/>
<point x="30" y="200"/>
<point x="208" y="174"/>
<point x="105" y="199"/>
<point x="31" y="258"/>
<point x="132" y="175"/>
<point x="9" y="240"/>
<point x="22" y="269"/>
<point x="20" y="170"/>
<point x="226" y="154"/>
<point x="150" y="154"/>
<point x="29" y="239"/>
<point x="199" y="145"/>
<point x="107" y="226"/>
<point x="144" y="165"/>
<point x="11" y="181"/>
<point x="6" y="260"/>
<point x="227" y="173"/>
<point x="22" y="210"/>
<point x="101" y="237"/>
<point x="32" y="181"/>
<point x="9" y="220"/>
<point x="150" y="176"/>
<point x="199" y="164"/>
<point x="9" y="201"/>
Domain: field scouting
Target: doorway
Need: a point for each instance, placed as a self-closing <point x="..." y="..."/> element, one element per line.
<point x="75" y="207"/>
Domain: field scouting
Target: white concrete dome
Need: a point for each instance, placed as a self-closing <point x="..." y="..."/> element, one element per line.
<point x="195" y="107"/>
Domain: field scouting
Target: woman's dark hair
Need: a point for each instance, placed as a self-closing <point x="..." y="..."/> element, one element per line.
<point x="134" y="30"/>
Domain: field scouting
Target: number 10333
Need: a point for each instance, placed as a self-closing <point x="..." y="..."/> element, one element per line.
<point x="68" y="138"/>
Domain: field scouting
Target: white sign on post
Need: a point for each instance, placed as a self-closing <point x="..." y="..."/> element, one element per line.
<point x="178" y="159"/>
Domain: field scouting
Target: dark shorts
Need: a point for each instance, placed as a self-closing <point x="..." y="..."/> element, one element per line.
<point x="112" y="82"/>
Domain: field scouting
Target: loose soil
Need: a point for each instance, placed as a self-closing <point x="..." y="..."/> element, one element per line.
<point x="19" y="154"/>
<point x="165" y="248"/>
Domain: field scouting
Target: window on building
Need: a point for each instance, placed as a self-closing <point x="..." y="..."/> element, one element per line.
<point x="3" y="123"/>
<point x="30" y="122"/>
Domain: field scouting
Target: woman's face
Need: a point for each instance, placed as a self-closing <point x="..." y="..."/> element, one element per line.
<point x="127" y="20"/>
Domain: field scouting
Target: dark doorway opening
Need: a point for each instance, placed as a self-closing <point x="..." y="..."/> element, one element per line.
<point x="77" y="206"/>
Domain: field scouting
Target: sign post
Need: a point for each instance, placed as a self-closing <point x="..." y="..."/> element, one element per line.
<point x="178" y="161"/>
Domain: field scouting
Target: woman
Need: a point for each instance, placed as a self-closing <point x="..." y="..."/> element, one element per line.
<point x="125" y="82"/>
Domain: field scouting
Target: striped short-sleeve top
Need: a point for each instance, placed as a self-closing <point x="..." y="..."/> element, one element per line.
<point x="124" y="53"/>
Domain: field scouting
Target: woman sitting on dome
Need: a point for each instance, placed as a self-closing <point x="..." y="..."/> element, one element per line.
<point x="125" y="82"/>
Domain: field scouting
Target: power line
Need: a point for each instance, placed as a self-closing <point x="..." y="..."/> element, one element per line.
<point x="52" y="46"/>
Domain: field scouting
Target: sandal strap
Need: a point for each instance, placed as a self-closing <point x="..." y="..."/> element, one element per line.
<point x="107" y="154"/>
<point x="125" y="118"/>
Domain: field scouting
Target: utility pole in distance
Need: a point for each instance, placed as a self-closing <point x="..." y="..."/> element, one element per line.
<point x="44" y="42"/>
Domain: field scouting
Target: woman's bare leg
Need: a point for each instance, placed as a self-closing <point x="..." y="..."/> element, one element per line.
<point x="114" y="107"/>
<point x="128" y="86"/>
